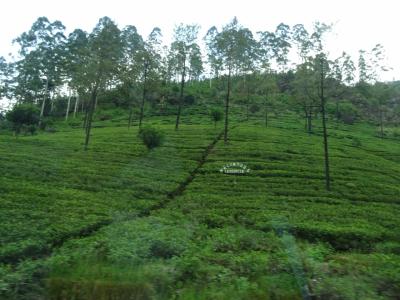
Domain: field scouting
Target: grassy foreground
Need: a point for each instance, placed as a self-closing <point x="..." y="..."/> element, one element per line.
<point x="74" y="223"/>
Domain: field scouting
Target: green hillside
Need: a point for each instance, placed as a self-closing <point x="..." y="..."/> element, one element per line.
<point x="122" y="222"/>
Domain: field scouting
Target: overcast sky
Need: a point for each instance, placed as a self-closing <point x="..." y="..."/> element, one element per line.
<point x="358" y="24"/>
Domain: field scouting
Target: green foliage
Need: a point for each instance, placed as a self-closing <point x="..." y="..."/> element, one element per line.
<point x="151" y="137"/>
<point x="348" y="113"/>
<point x="23" y="117"/>
<point x="216" y="116"/>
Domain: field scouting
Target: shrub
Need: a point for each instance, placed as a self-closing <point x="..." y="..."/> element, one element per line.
<point x="254" y="108"/>
<point x="46" y="122"/>
<point x="105" y="117"/>
<point x="216" y="115"/>
<point x="23" y="116"/>
<point x="189" y="99"/>
<point x="348" y="113"/>
<point x="151" y="137"/>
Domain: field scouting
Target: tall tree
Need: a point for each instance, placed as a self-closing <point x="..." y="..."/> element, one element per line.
<point x="315" y="71"/>
<point x="3" y="77"/>
<point x="132" y="64"/>
<point x="231" y="46"/>
<point x="149" y="57"/>
<point x="105" y="53"/>
<point x="282" y="45"/>
<point x="41" y="51"/>
<point x="186" y="52"/>
<point x="321" y="68"/>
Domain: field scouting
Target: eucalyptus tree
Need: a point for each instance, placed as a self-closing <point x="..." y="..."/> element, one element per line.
<point x="249" y="65"/>
<point x="230" y="47"/>
<point x="133" y="47"/>
<point x="302" y="39"/>
<point x="321" y="65"/>
<point x="343" y="70"/>
<point x="187" y="56"/>
<point x="149" y="58"/>
<point x="3" y="77"/>
<point x="102" y="65"/>
<point x="196" y="68"/>
<point x="305" y="96"/>
<point x="266" y="88"/>
<point x="214" y="59"/>
<point x="311" y="85"/>
<point x="282" y="45"/>
<point x="41" y="51"/>
<point x="77" y="56"/>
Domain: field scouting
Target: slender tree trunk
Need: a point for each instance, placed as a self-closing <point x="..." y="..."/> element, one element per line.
<point x="51" y="103"/>
<point x="44" y="102"/>
<point x="144" y="95"/>
<point x="266" y="117"/>
<point x="130" y="116"/>
<point x="90" y="116"/>
<point x="381" y="120"/>
<point x="337" y="113"/>
<point x="95" y="104"/>
<point x="306" y="119"/>
<point x="227" y="106"/>
<point x="266" y="109"/>
<point x="178" y="116"/>
<point x="86" y="110"/>
<point x="327" y="173"/>
<point x="247" y="100"/>
<point x="68" y="106"/>
<point x="76" y="104"/>
<point x="309" y="122"/>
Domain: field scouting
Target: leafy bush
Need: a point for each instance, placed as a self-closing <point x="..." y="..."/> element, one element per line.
<point x="216" y="115"/>
<point x="254" y="108"/>
<point x="189" y="99"/>
<point x="46" y="122"/>
<point x="151" y="137"/>
<point x="348" y="113"/>
<point x="23" y="116"/>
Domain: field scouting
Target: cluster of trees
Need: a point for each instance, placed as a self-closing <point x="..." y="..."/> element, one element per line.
<point x="253" y="70"/>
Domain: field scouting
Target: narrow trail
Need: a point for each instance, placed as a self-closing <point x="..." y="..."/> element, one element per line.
<point x="35" y="253"/>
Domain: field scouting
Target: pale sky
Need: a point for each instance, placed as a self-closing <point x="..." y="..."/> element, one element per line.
<point x="358" y="24"/>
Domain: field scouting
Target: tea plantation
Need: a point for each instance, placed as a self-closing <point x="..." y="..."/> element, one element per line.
<point x="122" y="222"/>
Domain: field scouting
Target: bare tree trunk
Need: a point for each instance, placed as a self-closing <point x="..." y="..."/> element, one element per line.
<point x="266" y="117"/>
<point x="86" y="110"/>
<point x="266" y="109"/>
<point x="130" y="116"/>
<point x="44" y="102"/>
<point x="178" y="116"/>
<point x="337" y="113"/>
<point x="90" y="116"/>
<point x="227" y="106"/>
<point x="144" y="95"/>
<point x="327" y="173"/>
<point x="95" y="104"/>
<point x="51" y="103"/>
<point x="247" y="100"/>
<point x="381" y="120"/>
<point x="76" y="104"/>
<point x="68" y="106"/>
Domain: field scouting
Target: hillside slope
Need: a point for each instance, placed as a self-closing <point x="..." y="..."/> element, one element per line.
<point x="273" y="233"/>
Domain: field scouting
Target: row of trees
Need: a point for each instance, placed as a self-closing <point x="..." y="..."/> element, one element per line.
<point x="85" y="65"/>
